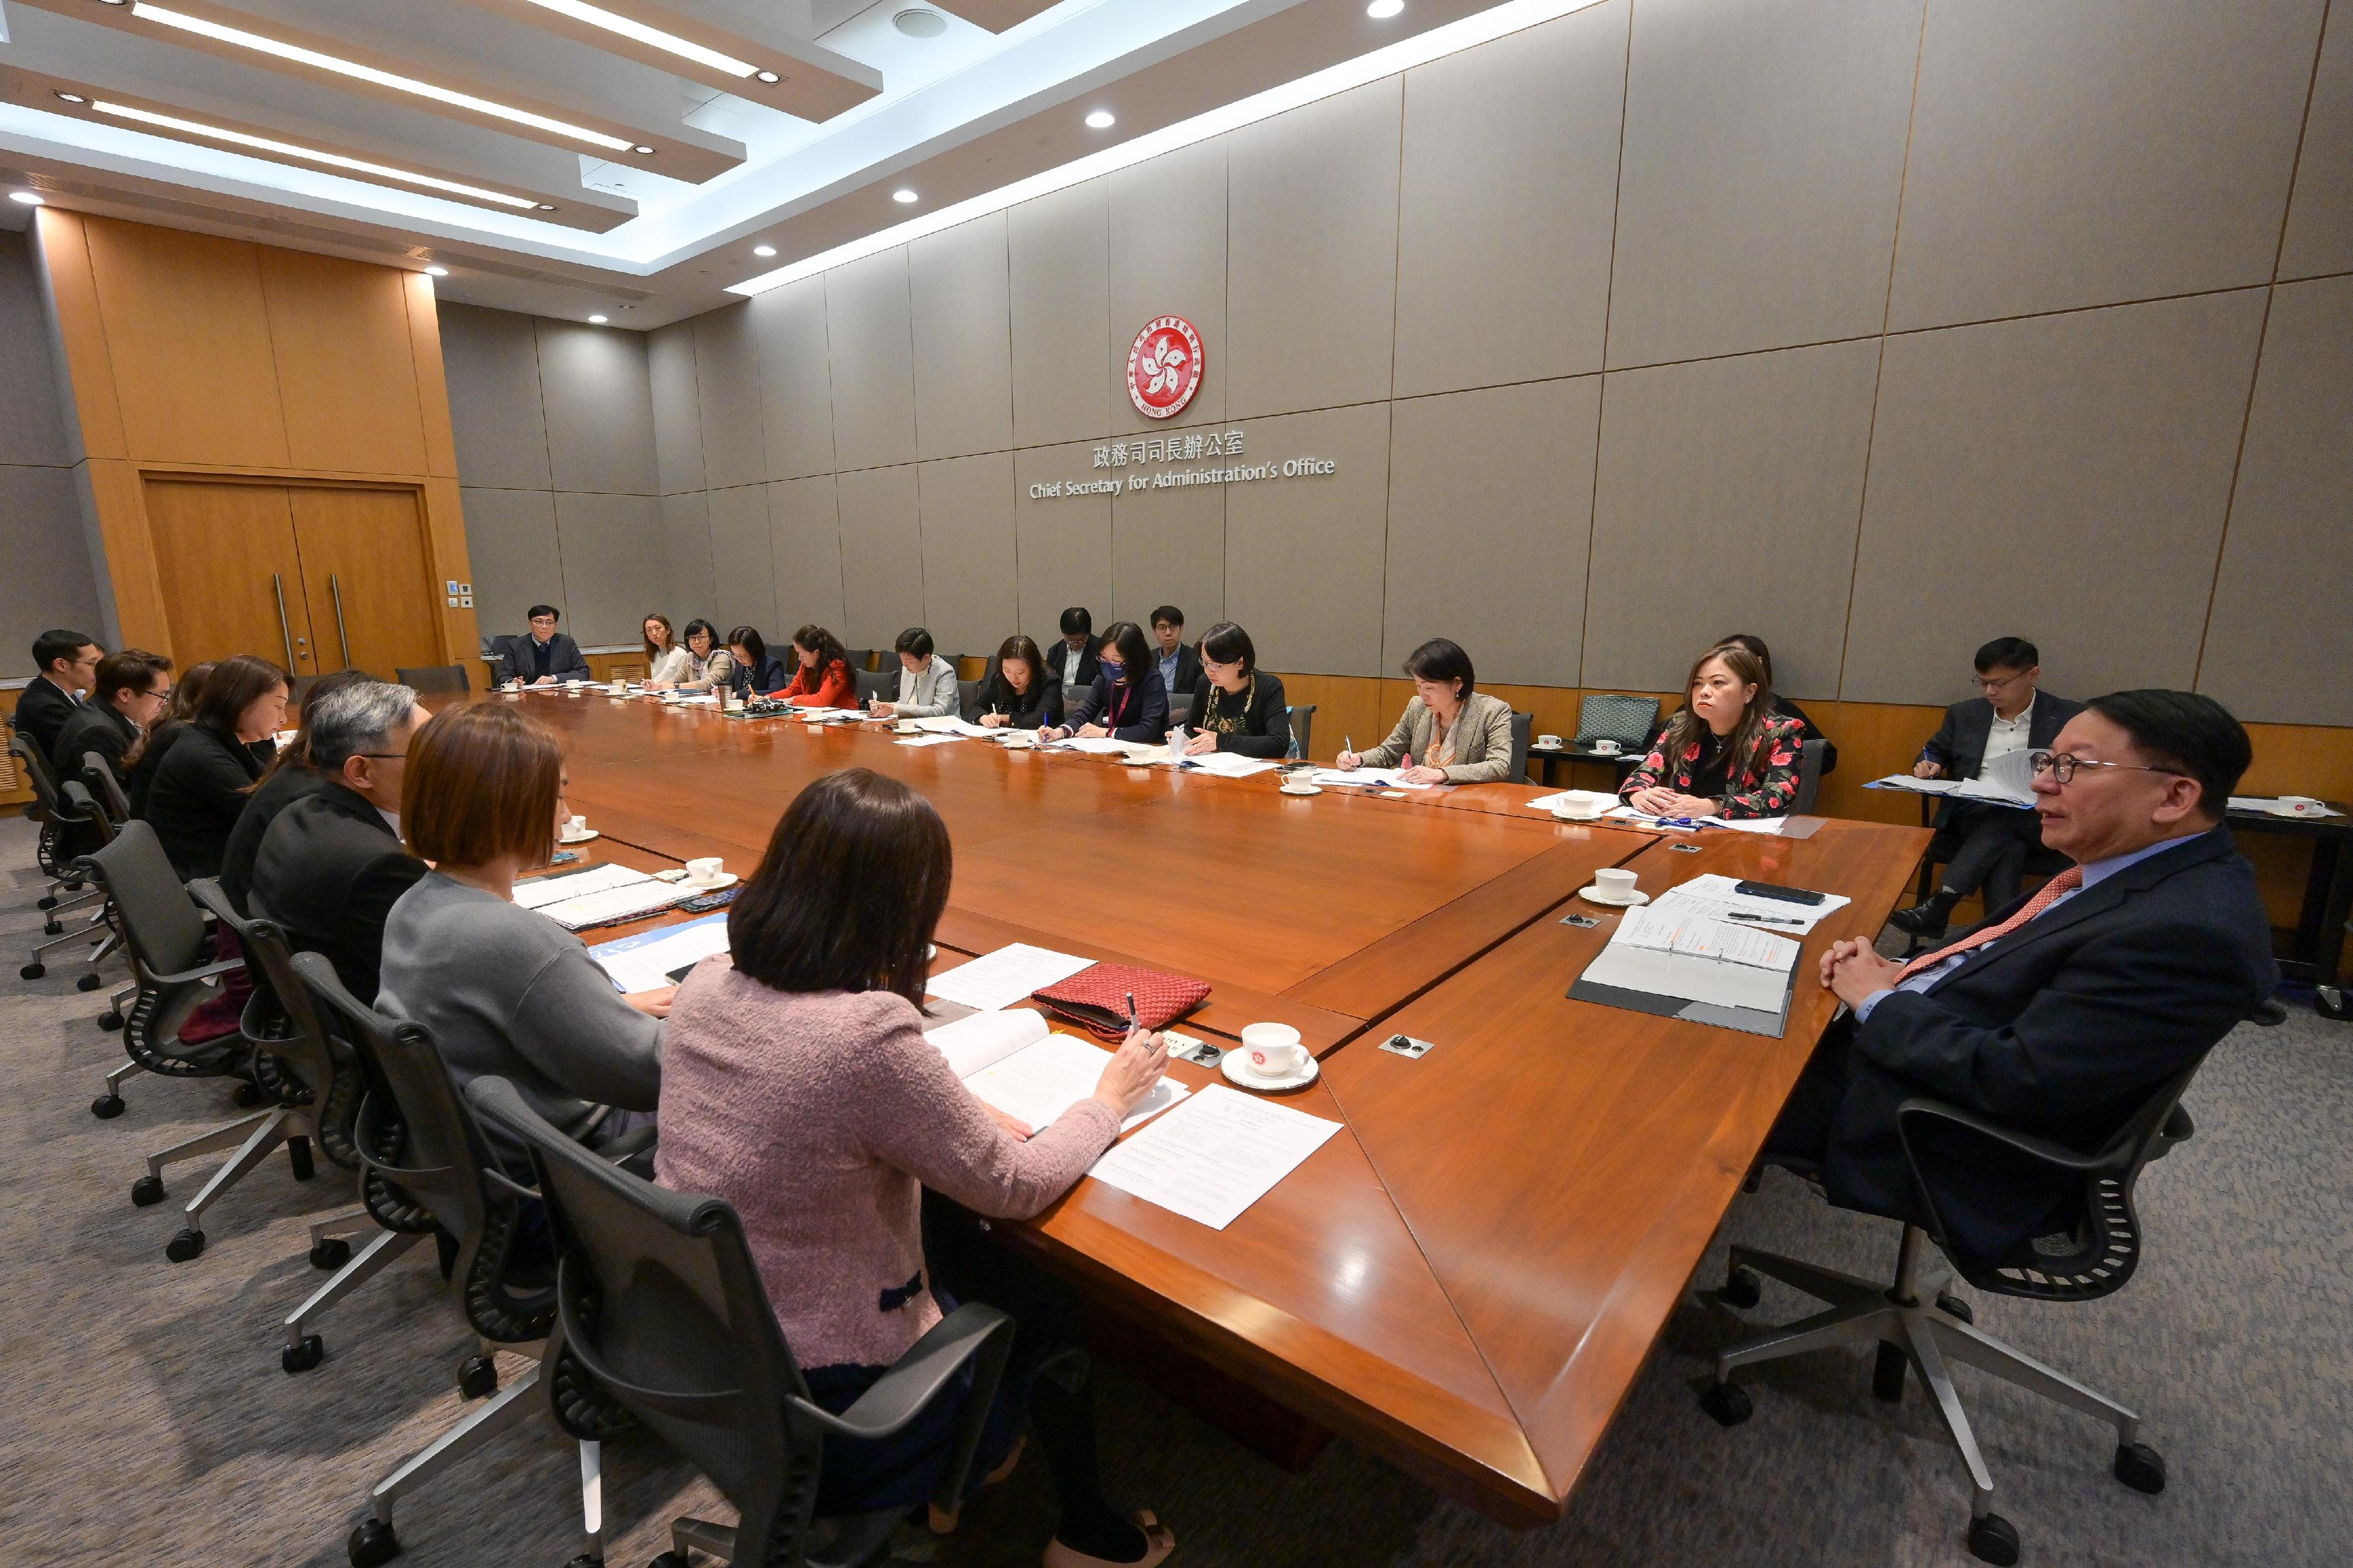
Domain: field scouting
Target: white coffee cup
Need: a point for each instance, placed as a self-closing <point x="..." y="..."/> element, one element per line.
<point x="1272" y="1050"/>
<point x="1614" y="882"/>
<point x="1607" y="747"/>
<point x="1577" y="806"/>
<point x="574" y="826"/>
<point x="1548" y="742"/>
<point x="1302" y="785"/>
<point x="620" y="689"/>
<point x="706" y="870"/>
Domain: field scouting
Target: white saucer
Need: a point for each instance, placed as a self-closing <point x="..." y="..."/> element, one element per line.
<point x="724" y="879"/>
<point x="581" y="838"/>
<point x="1237" y="1069"/>
<point x="1636" y="899"/>
<point x="1300" y="794"/>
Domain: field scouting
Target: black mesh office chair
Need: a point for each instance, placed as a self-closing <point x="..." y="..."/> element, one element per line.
<point x="662" y="1305"/>
<point x="1303" y="726"/>
<point x="98" y="777"/>
<point x="434" y="677"/>
<point x="1522" y="726"/>
<point x="2094" y="1256"/>
<point x="968" y="692"/>
<point x="416" y="1135"/>
<point x="1809" y="775"/>
<point x="877" y="685"/>
<point x="89" y="919"/>
<point x="53" y="853"/>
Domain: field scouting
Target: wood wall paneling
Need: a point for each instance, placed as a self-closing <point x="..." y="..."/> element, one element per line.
<point x="365" y="578"/>
<point x="346" y="366"/>
<point x="432" y="381"/>
<point x="228" y="555"/>
<point x="449" y="558"/>
<point x="63" y="254"/>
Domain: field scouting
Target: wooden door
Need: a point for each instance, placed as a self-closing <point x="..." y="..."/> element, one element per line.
<point x="364" y="578"/>
<point x="232" y="577"/>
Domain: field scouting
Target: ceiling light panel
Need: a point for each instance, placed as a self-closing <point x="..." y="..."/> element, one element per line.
<point x="765" y="66"/>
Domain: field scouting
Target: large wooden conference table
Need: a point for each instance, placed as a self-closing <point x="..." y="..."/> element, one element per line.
<point x="1466" y="1279"/>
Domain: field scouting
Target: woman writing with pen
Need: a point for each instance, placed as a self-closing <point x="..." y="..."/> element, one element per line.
<point x="1728" y="753"/>
<point x="1128" y="701"/>
<point x="1460" y="734"/>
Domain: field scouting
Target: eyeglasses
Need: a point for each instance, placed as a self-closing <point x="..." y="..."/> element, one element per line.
<point x="386" y="756"/>
<point x="2062" y="766"/>
<point x="2007" y="680"/>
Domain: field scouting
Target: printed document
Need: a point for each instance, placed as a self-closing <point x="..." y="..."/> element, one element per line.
<point x="1718" y="898"/>
<point x="653" y="959"/>
<point x="1009" y="975"/>
<point x="1367" y="778"/>
<point x="1013" y="1061"/>
<point x="538" y="892"/>
<point x="1214" y="1155"/>
<point x="1228" y="764"/>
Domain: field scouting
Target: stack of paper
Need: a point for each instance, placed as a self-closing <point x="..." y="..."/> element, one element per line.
<point x="623" y="902"/>
<point x="949" y="726"/>
<point x="1215" y="1156"/>
<point x="1367" y="778"/>
<point x="1013" y="1061"/>
<point x="1229" y="765"/>
<point x="1009" y="975"/>
<point x="1095" y="745"/>
<point x="1718" y="898"/>
<point x="653" y="959"/>
<point x="538" y="892"/>
<point x="930" y="740"/>
<point x="1670" y="927"/>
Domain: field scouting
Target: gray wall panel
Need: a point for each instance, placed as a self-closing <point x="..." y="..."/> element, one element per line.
<point x="1060" y="305"/>
<point x="806" y="526"/>
<point x="47" y="580"/>
<point x="742" y="560"/>
<point x="1312" y="263"/>
<point x="32" y="413"/>
<point x="2280" y="610"/>
<point x="2320" y="213"/>
<point x="1490" y="513"/>
<point x="1727" y="500"/>
<point x="515" y="555"/>
<point x="727" y="388"/>
<point x="796" y="385"/>
<point x="491" y="360"/>
<point x="2060" y="478"/>
<point x="1511" y="178"/>
<point x="686" y="556"/>
<point x="1168" y="547"/>
<point x="1169" y="258"/>
<point x="866" y="319"/>
<point x="969" y="581"/>
<point x="1303" y="557"/>
<point x="1063" y="543"/>
<point x="612" y="565"/>
<point x="599" y="409"/>
<point x="1763" y="161"/>
<point x="2069" y="155"/>
<point x="964" y="354"/>
<point x="882" y="556"/>
<point x="678" y="419"/>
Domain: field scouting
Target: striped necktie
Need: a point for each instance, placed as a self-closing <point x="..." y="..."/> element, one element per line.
<point x="2050" y="893"/>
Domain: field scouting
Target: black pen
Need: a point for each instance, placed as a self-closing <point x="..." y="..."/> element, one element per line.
<point x="1132" y="1024"/>
<point x="1763" y="919"/>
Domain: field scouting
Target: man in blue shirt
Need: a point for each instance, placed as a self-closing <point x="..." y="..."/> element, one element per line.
<point x="1180" y="665"/>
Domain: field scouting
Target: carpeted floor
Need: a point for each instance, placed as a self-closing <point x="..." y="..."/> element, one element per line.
<point x="144" y="1421"/>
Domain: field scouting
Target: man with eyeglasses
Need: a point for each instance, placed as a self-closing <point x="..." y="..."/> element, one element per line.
<point x="2060" y="1017"/>
<point x="1985" y="845"/>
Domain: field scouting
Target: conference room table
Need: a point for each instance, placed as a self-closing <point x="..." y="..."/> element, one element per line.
<point x="1465" y="1279"/>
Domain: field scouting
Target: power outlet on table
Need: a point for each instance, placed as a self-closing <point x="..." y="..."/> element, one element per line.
<point x="1407" y="1046"/>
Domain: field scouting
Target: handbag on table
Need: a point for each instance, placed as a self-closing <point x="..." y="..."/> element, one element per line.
<point x="1095" y="998"/>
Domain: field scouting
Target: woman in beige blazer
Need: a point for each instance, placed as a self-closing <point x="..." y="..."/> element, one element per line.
<point x="1451" y="732"/>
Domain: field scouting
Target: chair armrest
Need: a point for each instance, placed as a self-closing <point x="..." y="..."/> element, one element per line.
<point x="916" y="1379"/>
<point x="627" y="1145"/>
<point x="2040" y="1148"/>
<point x="201" y="972"/>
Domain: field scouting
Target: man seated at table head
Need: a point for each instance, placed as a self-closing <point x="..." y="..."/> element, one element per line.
<point x="65" y="667"/>
<point x="330" y="865"/>
<point x="1180" y="664"/>
<point x="2060" y="1016"/>
<point x="1985" y="847"/>
<point x="1074" y="657"/>
<point x="545" y="656"/>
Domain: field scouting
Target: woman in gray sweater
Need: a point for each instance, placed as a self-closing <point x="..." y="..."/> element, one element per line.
<point x="927" y="683"/>
<point x="503" y="989"/>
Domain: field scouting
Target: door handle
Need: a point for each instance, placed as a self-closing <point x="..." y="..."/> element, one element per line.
<point x="285" y="630"/>
<point x="335" y="591"/>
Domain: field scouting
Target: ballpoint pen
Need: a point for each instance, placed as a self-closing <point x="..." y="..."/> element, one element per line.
<point x="1762" y="920"/>
<point x="1132" y="1024"/>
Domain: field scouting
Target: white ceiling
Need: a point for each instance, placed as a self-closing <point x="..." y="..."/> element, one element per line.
<point x="548" y="223"/>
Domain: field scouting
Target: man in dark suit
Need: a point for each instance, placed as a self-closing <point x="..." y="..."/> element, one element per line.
<point x="66" y="663"/>
<point x="545" y="656"/>
<point x="130" y="692"/>
<point x="1074" y="658"/>
<point x="1986" y="846"/>
<point x="2060" y="1016"/>
<point x="1180" y="663"/>
<point x="332" y="865"/>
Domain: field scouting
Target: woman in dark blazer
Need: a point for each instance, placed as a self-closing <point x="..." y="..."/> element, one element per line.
<point x="1019" y="692"/>
<point x="1237" y="707"/>
<point x="758" y="672"/>
<point x="1128" y="701"/>
<point x="201" y="785"/>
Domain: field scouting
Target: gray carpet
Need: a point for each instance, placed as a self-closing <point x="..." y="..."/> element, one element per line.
<point x="146" y="1421"/>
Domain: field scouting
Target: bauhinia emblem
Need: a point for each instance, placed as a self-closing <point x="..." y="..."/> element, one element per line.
<point x="1164" y="367"/>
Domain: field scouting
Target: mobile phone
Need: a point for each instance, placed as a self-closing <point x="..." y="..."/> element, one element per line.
<point x="1773" y="890"/>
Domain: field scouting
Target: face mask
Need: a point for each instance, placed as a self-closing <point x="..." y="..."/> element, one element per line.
<point x="1112" y="666"/>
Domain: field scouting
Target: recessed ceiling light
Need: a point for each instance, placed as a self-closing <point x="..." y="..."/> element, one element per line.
<point x="920" y="24"/>
<point x="29" y="198"/>
<point x="309" y="155"/>
<point x="595" y="321"/>
<point x="1102" y="119"/>
<point x="547" y="206"/>
<point x="769" y="76"/>
<point x="71" y="96"/>
<point x="1382" y="10"/>
<point x="763" y="251"/>
<point x="436" y="272"/>
<point x="263" y="43"/>
<point x="685" y="49"/>
<point x="902" y="196"/>
<point x="643" y="151"/>
<point x="114" y="2"/>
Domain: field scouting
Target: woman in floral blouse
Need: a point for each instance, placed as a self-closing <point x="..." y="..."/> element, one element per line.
<point x="1728" y="753"/>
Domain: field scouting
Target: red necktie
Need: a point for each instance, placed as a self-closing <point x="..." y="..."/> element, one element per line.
<point x="2050" y="893"/>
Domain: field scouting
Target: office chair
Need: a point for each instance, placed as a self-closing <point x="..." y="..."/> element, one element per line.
<point x="1180" y="709"/>
<point x="966" y="692"/>
<point x="172" y="967"/>
<point x="1522" y="726"/>
<point x="435" y="677"/>
<point x="859" y="658"/>
<point x="1809" y="775"/>
<point x="98" y="777"/>
<point x="876" y="685"/>
<point x="1614" y="716"/>
<point x="93" y="915"/>
<point x="417" y="1135"/>
<point x="2092" y="1258"/>
<point x="661" y="1304"/>
<point x="57" y="847"/>
<point x="1302" y="724"/>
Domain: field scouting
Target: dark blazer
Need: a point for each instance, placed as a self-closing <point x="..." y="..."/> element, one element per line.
<point x="773" y="675"/>
<point x="1039" y="706"/>
<point x="329" y="870"/>
<point x="1188" y="669"/>
<point x="42" y="710"/>
<point x="1090" y="665"/>
<point x="2060" y="1029"/>
<point x="91" y="727"/>
<point x="141" y="777"/>
<point x="1135" y="712"/>
<point x="563" y="658"/>
<point x="1959" y="746"/>
<point x="276" y="793"/>
<point x="197" y="795"/>
<point x="1263" y="728"/>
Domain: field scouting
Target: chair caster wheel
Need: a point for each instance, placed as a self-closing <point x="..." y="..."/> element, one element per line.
<point x="304" y="1356"/>
<point x="46" y="902"/>
<point x="372" y="1545"/>
<point x="88" y="983"/>
<point x="146" y="1190"/>
<point x="1728" y="1403"/>
<point x="106" y="1107"/>
<point x="246" y="1096"/>
<point x="477" y="1377"/>
<point x="34" y="970"/>
<point x="1887" y="1375"/>
<point x="1993" y="1539"/>
<point x="331" y="1253"/>
<point x="1741" y="1288"/>
<point x="53" y="928"/>
<point x="1953" y="1307"/>
<point x="2141" y="1468"/>
<point x="2328" y="1001"/>
<point x="110" y="1021"/>
<point x="187" y="1244"/>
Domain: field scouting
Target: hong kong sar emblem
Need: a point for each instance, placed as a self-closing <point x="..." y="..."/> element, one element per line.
<point x="1164" y="367"/>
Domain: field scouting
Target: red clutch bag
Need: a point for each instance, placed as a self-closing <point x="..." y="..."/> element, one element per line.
<point x="1096" y="998"/>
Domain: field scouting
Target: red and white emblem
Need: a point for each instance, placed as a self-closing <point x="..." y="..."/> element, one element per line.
<point x="1164" y="367"/>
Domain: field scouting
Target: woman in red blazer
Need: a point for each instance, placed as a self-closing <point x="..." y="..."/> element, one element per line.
<point x="823" y="679"/>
